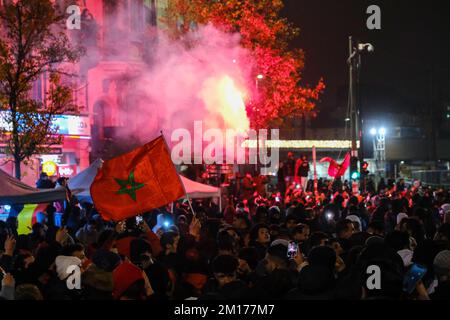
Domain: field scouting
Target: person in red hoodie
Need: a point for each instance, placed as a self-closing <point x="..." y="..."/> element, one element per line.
<point x="132" y="232"/>
<point x="130" y="283"/>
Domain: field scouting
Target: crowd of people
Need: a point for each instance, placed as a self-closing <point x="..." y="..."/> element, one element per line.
<point x="294" y="244"/>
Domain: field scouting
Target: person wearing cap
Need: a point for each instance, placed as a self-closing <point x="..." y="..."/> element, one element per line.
<point x="441" y="265"/>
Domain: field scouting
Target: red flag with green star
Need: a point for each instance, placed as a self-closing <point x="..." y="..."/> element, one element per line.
<point x="136" y="182"/>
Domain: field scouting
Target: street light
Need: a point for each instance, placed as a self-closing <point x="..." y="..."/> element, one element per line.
<point x="260" y="76"/>
<point x="373" y="131"/>
<point x="366" y="46"/>
<point x="382" y="131"/>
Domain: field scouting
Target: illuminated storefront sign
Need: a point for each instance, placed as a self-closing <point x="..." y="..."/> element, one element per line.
<point x="49" y="168"/>
<point x="67" y="170"/>
<point x="302" y="144"/>
<point x="67" y="125"/>
<point x="73" y="125"/>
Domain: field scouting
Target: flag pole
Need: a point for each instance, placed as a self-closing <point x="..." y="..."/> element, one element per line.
<point x="190" y="205"/>
<point x="315" y="170"/>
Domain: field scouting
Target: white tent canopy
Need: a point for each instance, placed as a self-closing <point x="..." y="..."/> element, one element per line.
<point x="13" y="191"/>
<point x="84" y="179"/>
<point x="199" y="190"/>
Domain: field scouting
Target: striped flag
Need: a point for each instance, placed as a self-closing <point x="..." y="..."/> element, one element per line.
<point x="27" y="217"/>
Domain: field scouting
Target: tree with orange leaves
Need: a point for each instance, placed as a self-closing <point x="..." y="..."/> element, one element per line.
<point x="280" y="93"/>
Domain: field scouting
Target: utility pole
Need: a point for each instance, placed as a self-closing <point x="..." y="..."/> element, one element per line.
<point x="354" y="62"/>
<point x="352" y="97"/>
<point x="353" y="65"/>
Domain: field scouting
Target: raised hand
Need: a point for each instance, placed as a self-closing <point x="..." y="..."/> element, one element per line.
<point x="10" y="245"/>
<point x="194" y="227"/>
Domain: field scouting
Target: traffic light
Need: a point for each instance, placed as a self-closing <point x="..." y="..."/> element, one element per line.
<point x="354" y="173"/>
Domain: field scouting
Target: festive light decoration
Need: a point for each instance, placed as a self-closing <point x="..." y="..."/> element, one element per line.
<point x="302" y="144"/>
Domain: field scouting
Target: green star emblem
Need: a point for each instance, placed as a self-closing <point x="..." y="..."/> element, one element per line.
<point x="129" y="186"/>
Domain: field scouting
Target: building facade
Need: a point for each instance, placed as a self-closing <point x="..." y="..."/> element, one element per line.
<point x="118" y="36"/>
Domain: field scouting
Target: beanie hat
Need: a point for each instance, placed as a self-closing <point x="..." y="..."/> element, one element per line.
<point x="64" y="262"/>
<point x="445" y="207"/>
<point x="105" y="259"/>
<point x="124" y="276"/>
<point x="354" y="218"/>
<point x="401" y="216"/>
<point x="283" y="242"/>
<point x="442" y="263"/>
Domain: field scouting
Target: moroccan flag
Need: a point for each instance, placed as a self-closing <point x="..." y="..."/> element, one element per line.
<point x="136" y="182"/>
<point x="335" y="169"/>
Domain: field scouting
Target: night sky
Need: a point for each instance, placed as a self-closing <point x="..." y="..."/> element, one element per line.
<point x="412" y="52"/>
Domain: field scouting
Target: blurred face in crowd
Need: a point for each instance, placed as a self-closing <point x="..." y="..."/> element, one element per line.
<point x="41" y="231"/>
<point x="291" y="223"/>
<point x="223" y="278"/>
<point x="348" y="231"/>
<point x="303" y="236"/>
<point x="263" y="236"/>
<point x="239" y="223"/>
<point x="272" y="263"/>
<point x="79" y="254"/>
<point x="233" y="233"/>
<point x="243" y="268"/>
<point x="172" y="248"/>
<point x="336" y="246"/>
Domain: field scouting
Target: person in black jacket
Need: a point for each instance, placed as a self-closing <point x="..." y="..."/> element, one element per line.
<point x="44" y="182"/>
<point x="225" y="285"/>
